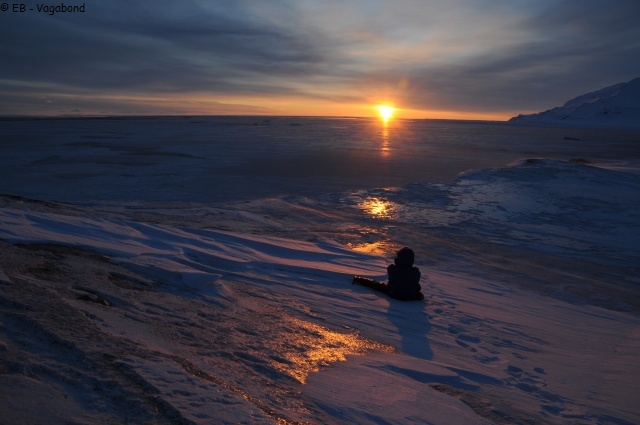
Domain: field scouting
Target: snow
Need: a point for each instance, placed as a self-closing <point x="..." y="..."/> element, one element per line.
<point x="472" y="333"/>
<point x="557" y="206"/>
<point x="616" y="105"/>
<point x="121" y="312"/>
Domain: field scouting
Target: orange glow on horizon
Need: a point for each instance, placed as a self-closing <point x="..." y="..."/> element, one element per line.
<point x="207" y="104"/>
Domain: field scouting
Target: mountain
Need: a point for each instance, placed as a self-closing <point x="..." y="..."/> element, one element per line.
<point x="617" y="104"/>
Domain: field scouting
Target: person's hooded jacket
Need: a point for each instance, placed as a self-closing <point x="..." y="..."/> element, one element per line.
<point x="403" y="277"/>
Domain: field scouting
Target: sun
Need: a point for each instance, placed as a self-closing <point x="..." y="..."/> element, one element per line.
<point x="386" y="112"/>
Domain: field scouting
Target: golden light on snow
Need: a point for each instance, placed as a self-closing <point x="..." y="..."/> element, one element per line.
<point x="378" y="207"/>
<point x="317" y="346"/>
<point x="381" y="247"/>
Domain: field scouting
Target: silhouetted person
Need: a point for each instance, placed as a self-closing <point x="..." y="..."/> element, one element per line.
<point x="404" y="278"/>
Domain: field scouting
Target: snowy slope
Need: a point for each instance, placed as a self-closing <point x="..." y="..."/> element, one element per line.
<point x="204" y="326"/>
<point x="166" y="331"/>
<point x="615" y="105"/>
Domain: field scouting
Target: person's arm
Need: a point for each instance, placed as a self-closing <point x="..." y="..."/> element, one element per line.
<point x="391" y="271"/>
<point x="417" y="275"/>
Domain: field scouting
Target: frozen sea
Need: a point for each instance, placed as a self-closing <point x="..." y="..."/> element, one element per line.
<point x="368" y="185"/>
<point x="223" y="159"/>
<point x="232" y="241"/>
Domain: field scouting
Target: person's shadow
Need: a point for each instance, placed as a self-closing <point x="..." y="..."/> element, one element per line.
<point x="413" y="326"/>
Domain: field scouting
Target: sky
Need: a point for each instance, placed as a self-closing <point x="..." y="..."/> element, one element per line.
<point x="457" y="59"/>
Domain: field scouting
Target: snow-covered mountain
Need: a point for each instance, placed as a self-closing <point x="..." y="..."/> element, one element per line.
<point x="617" y="104"/>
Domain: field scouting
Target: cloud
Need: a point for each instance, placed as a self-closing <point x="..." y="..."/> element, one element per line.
<point x="146" y="47"/>
<point x="541" y="59"/>
<point x="453" y="55"/>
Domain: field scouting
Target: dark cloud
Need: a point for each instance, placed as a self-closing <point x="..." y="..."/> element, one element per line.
<point x="545" y="52"/>
<point x="578" y="47"/>
<point x="146" y="47"/>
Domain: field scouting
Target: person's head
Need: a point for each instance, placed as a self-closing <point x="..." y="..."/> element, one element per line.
<point x="404" y="257"/>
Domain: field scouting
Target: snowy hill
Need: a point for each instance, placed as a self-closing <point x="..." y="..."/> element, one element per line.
<point x="615" y="105"/>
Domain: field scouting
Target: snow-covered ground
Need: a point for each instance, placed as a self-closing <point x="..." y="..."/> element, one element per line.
<point x="244" y="312"/>
<point x="614" y="106"/>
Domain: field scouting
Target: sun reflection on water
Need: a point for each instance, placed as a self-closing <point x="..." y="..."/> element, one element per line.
<point x="385" y="148"/>
<point x="386" y="114"/>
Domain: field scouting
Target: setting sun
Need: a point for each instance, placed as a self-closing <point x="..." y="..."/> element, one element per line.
<point x="386" y="112"/>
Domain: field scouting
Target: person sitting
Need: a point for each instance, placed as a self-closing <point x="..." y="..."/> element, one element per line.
<point x="404" y="278"/>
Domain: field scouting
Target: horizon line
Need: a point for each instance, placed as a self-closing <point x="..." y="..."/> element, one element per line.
<point x="115" y="116"/>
